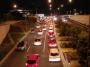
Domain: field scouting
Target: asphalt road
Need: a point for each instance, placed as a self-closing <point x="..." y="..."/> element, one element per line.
<point x="18" y="58"/>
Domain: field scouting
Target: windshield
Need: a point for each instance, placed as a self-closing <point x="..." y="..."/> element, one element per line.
<point x="31" y="61"/>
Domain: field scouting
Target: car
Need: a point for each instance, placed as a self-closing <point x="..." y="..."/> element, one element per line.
<point x="51" y="38"/>
<point x="40" y="32"/>
<point x="44" y="28"/>
<point x="51" y="27"/>
<point x="51" y="34"/>
<point x="64" y="19"/>
<point x="45" y="25"/>
<point x="52" y="43"/>
<point x="54" y="55"/>
<point x="38" y="26"/>
<point x="50" y="30"/>
<point x="32" y="60"/>
<point x="37" y="41"/>
<point x="32" y="30"/>
<point x="21" y="46"/>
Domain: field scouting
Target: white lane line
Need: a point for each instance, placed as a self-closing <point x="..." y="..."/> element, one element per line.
<point x="28" y="45"/>
<point x="28" y="49"/>
<point x="44" y="42"/>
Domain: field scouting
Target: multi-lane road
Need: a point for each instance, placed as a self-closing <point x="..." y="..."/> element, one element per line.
<point x="18" y="58"/>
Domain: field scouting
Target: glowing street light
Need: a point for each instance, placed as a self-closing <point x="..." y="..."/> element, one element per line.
<point x="50" y="5"/>
<point x="58" y="8"/>
<point x="15" y="6"/>
<point x="49" y="1"/>
<point x="62" y="5"/>
<point x="70" y="1"/>
<point x="50" y="8"/>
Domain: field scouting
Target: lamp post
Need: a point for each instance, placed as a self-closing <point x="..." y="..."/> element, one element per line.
<point x="58" y="10"/>
<point x="50" y="5"/>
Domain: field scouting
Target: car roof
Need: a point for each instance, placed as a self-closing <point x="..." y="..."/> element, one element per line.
<point x="32" y="57"/>
<point x="54" y="50"/>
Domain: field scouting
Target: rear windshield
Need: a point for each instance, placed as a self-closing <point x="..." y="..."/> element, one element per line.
<point x="37" y="40"/>
<point x="54" y="54"/>
<point x="31" y="61"/>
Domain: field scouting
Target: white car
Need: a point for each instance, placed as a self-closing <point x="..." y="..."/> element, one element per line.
<point x="40" y="32"/>
<point x="54" y="55"/>
<point x="44" y="28"/>
<point x="37" y="42"/>
<point x="50" y="27"/>
<point x="50" y="30"/>
<point x="38" y="26"/>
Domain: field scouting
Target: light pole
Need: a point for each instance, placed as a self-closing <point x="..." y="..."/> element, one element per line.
<point x="61" y="8"/>
<point x="58" y="10"/>
<point x="50" y="5"/>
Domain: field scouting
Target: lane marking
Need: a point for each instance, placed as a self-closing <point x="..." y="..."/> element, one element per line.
<point x="28" y="49"/>
<point x="44" y="41"/>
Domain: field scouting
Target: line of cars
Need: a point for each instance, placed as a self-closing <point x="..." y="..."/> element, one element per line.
<point x="33" y="59"/>
<point x="54" y="55"/>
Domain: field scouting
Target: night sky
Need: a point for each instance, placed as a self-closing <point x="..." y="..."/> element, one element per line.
<point x="43" y="6"/>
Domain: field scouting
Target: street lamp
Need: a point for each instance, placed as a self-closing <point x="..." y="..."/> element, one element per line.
<point x="50" y="8"/>
<point x="58" y="8"/>
<point x="50" y="5"/>
<point x="62" y="5"/>
<point x="49" y="1"/>
<point x="14" y="6"/>
<point x="70" y="1"/>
